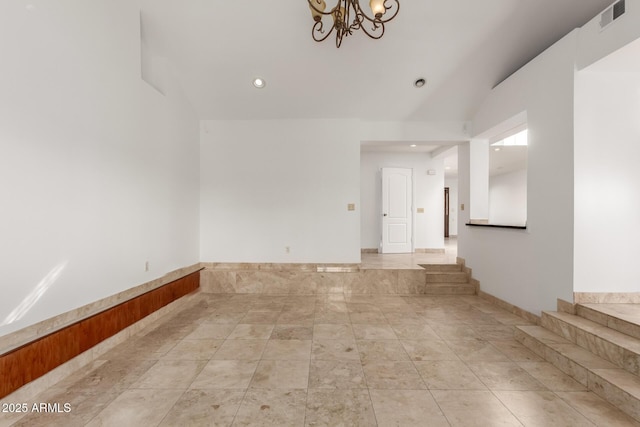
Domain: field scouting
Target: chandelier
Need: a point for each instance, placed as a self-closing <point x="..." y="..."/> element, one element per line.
<point x="347" y="16"/>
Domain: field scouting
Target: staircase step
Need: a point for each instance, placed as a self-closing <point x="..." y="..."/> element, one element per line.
<point x="619" y="387"/>
<point x="616" y="347"/>
<point x="447" y="277"/>
<point x="623" y="318"/>
<point x="441" y="267"/>
<point x="570" y="358"/>
<point x="450" y="289"/>
<point x="616" y="385"/>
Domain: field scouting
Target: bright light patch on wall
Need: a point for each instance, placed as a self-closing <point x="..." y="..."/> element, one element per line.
<point x="519" y="139"/>
<point x="30" y="300"/>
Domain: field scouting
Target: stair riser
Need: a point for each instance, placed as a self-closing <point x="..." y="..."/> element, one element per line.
<point x="530" y="342"/>
<point x="442" y="267"/>
<point x="617" y="397"/>
<point x="450" y="290"/>
<point x="567" y="365"/>
<point x="611" y="322"/>
<point x="607" y="350"/>
<point x="557" y="359"/>
<point x="592" y="315"/>
<point x="447" y="278"/>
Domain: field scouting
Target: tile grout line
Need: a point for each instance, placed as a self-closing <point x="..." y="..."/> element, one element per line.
<point x="574" y="408"/>
<point x="387" y="315"/>
<point x="364" y="377"/>
<point x="306" y="400"/>
<point x="422" y="378"/>
<point x="187" y="389"/>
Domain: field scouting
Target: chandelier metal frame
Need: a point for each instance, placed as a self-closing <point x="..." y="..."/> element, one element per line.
<point x="340" y="19"/>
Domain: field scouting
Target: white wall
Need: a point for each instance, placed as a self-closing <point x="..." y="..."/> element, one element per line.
<point x="479" y="169"/>
<point x="508" y="198"/>
<point x="428" y="194"/>
<point x="607" y="146"/>
<point x="267" y="185"/>
<point x="607" y="196"/>
<point x="454" y="206"/>
<point x="534" y="267"/>
<point x="98" y="172"/>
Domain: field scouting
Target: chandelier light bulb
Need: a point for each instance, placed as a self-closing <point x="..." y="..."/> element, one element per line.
<point x="317" y="7"/>
<point x="339" y="16"/>
<point x="377" y="7"/>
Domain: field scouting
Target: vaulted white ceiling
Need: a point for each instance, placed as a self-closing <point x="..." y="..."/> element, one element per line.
<point x="463" y="48"/>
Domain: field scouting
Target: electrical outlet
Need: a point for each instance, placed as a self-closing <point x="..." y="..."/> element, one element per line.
<point x="287" y="249"/>
<point x="146" y="266"/>
<point x="351" y="207"/>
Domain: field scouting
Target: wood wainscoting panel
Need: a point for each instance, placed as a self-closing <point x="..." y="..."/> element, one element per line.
<point x="32" y="360"/>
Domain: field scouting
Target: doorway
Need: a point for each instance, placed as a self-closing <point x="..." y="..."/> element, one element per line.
<point x="397" y="207"/>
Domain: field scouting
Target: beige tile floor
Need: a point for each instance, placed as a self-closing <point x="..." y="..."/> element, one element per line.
<point x="411" y="261"/>
<point x="310" y="361"/>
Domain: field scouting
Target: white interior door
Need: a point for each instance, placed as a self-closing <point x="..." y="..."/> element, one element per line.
<point x="397" y="201"/>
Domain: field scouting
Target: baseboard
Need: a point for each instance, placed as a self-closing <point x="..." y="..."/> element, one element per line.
<point x="32" y="360"/>
<point x="369" y="250"/>
<point x="513" y="309"/>
<point x="429" y="250"/>
<point x="606" y="297"/>
<point x="416" y="250"/>
<point x="565" y="306"/>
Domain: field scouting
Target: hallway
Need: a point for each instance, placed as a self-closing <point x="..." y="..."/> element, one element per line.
<point x="411" y="260"/>
<point x="325" y="360"/>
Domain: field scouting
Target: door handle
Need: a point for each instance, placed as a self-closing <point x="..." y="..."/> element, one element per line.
<point x="384" y="214"/>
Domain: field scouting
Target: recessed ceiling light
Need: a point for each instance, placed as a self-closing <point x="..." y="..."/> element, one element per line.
<point x="420" y="82"/>
<point x="413" y="146"/>
<point x="259" y="83"/>
<point x="496" y="149"/>
<point x="448" y="167"/>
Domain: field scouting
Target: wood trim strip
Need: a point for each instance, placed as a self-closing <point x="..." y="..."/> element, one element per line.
<point x="32" y="360"/>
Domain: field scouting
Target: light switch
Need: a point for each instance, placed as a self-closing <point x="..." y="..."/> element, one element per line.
<point x="420" y="210"/>
<point x="462" y="207"/>
<point x="351" y="207"/>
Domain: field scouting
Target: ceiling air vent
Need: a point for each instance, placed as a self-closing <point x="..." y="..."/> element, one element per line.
<point x="611" y="14"/>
